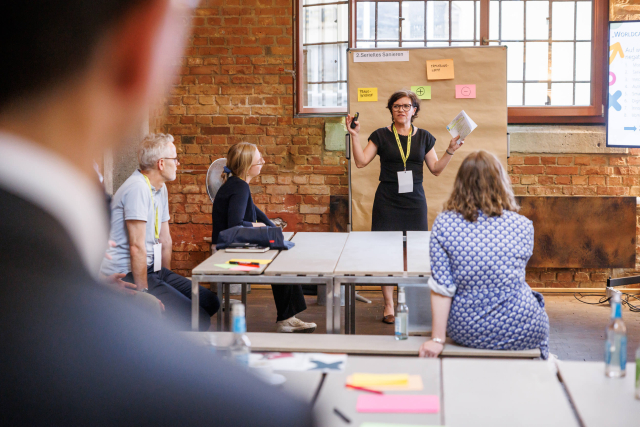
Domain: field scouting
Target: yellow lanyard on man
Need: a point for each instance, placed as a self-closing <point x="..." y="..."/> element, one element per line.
<point x="402" y="154"/>
<point x="157" y="223"/>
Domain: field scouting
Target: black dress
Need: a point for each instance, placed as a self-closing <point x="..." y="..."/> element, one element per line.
<point x="233" y="206"/>
<point x="393" y="211"/>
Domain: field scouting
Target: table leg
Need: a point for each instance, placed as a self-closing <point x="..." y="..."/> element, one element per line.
<point x="336" y="306"/>
<point x="328" y="291"/>
<point x="195" y="303"/>
<point x="347" y="309"/>
<point x="227" y="306"/>
<point x="244" y="296"/>
<point x="352" y="312"/>
<point x="221" y="298"/>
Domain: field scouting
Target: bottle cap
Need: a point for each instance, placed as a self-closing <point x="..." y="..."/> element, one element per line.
<point x="237" y="309"/>
<point x="401" y="296"/>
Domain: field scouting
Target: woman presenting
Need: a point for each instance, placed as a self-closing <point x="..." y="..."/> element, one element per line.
<point x="400" y="203"/>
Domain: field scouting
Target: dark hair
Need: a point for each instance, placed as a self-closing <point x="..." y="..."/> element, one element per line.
<point x="46" y="42"/>
<point x="402" y="94"/>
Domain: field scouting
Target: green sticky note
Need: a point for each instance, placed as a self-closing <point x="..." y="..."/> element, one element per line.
<point x="227" y="266"/>
<point x="423" y="92"/>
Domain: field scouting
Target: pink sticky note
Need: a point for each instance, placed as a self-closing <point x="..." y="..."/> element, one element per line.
<point x="465" y="91"/>
<point x="399" y="403"/>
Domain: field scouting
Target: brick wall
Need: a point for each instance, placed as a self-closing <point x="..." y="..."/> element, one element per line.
<point x="576" y="175"/>
<point x="233" y="86"/>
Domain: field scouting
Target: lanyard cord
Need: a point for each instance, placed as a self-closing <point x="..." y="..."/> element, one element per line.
<point x="404" y="157"/>
<point x="156" y="226"/>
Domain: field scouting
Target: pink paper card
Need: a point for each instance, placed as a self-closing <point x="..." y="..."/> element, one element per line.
<point x="243" y="268"/>
<point x="465" y="91"/>
<point x="398" y="403"/>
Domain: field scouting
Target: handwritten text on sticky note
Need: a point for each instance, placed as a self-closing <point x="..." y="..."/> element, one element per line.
<point x="423" y="92"/>
<point x="367" y="94"/>
<point x="465" y="91"/>
<point x="440" y="69"/>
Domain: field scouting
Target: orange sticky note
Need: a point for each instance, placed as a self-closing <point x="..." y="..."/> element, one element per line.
<point x="440" y="69"/>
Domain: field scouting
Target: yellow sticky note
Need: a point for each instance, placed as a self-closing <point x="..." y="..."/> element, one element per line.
<point x="414" y="383"/>
<point x="254" y="261"/>
<point x="366" y="94"/>
<point x="440" y="69"/>
<point x="364" y="380"/>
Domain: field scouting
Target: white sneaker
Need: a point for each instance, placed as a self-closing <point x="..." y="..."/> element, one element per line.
<point x="293" y="324"/>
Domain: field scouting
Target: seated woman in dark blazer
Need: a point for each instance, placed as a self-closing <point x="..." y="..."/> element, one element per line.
<point x="233" y="206"/>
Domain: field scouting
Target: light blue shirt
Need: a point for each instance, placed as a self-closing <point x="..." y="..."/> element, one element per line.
<point x="132" y="201"/>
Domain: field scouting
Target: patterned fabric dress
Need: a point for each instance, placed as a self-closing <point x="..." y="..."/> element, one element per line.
<point x="482" y="266"/>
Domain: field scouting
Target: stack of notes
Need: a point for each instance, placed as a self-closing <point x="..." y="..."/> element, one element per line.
<point x="243" y="264"/>
<point x="399" y="403"/>
<point x="386" y="382"/>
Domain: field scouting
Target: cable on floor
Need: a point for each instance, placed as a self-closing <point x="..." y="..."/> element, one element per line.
<point x="604" y="299"/>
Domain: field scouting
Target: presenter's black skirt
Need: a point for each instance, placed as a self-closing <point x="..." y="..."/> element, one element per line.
<point x="393" y="211"/>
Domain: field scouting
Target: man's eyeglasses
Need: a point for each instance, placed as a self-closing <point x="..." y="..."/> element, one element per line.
<point x="398" y="107"/>
<point x="175" y="159"/>
<point x="260" y="162"/>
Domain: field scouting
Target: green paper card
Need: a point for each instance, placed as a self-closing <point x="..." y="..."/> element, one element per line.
<point x="423" y="92"/>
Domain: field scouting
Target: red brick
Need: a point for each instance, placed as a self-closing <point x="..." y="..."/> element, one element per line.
<point x="562" y="170"/>
<point x="528" y="170"/>
<point x="548" y="160"/>
<point x="564" y="161"/>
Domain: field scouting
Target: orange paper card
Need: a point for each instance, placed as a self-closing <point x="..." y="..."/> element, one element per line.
<point x="440" y="69"/>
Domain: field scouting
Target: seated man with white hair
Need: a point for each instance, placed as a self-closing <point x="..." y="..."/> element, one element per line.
<point x="140" y="229"/>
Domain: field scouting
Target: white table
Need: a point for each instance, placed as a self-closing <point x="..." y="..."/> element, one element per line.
<point x="334" y="394"/>
<point x="302" y="385"/>
<point x="376" y="258"/>
<point x="384" y="345"/>
<point x="496" y="393"/>
<point x="601" y="401"/>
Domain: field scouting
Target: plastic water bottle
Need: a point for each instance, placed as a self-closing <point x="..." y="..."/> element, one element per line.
<point x="402" y="317"/>
<point x="616" y="345"/>
<point x="241" y="346"/>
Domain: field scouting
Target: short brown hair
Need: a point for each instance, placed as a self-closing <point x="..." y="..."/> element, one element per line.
<point x="402" y="94"/>
<point x="481" y="184"/>
<point x="239" y="159"/>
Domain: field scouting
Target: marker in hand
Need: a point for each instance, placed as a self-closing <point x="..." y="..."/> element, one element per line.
<point x="353" y="121"/>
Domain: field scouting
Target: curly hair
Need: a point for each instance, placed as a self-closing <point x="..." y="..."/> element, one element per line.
<point x="481" y="184"/>
<point x="402" y="94"/>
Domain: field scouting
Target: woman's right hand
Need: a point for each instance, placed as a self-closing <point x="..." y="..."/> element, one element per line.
<point x="355" y="131"/>
<point x="259" y="224"/>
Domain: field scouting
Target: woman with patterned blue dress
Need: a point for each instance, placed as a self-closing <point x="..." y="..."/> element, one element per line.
<point x="479" y="251"/>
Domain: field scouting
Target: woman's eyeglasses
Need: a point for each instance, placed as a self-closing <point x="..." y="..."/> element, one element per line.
<point x="404" y="107"/>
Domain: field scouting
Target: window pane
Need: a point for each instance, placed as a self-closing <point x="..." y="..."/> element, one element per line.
<point x="535" y="93"/>
<point x="494" y="20"/>
<point x="512" y="20"/>
<point x="326" y="23"/>
<point x="388" y="44"/>
<point x="366" y="24"/>
<point x="583" y="93"/>
<point x="461" y="43"/>
<point x="537" y="22"/>
<point x="326" y="95"/>
<point x="537" y="61"/>
<point x="562" y="20"/>
<point x="437" y="44"/>
<point x="462" y="19"/>
<point x="325" y="63"/>
<point x="477" y="20"/>
<point x="514" y="94"/>
<point x="561" y="93"/>
<point x="413" y="23"/>
<point x="412" y="44"/>
<point x="562" y="61"/>
<point x="438" y="20"/>
<point x="388" y="20"/>
<point x="515" y="60"/>
<point x="365" y="44"/>
<point x="583" y="26"/>
<point x="583" y="61"/>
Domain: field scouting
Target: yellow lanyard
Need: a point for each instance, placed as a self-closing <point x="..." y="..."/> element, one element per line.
<point x="404" y="156"/>
<point x="157" y="224"/>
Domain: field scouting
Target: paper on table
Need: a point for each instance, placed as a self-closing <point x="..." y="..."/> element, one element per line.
<point x="227" y="266"/>
<point x="367" y="380"/>
<point x="398" y="403"/>
<point x="414" y="384"/>
<point x="462" y="125"/>
<point x="391" y="425"/>
<point x="242" y="268"/>
<point x="259" y="261"/>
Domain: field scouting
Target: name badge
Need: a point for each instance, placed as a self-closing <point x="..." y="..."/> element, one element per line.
<point x="405" y="182"/>
<point x="157" y="257"/>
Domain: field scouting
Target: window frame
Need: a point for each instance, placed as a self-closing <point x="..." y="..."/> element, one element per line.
<point x="592" y="114"/>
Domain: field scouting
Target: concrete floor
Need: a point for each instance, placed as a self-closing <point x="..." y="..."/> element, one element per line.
<point x="577" y="329"/>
